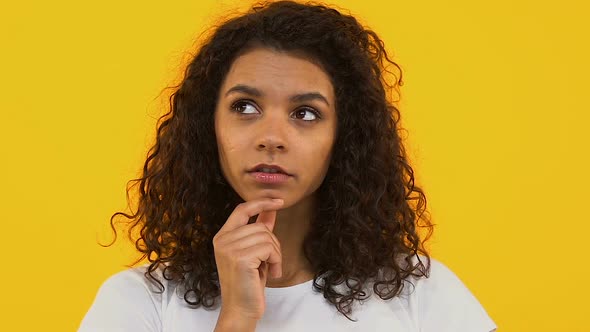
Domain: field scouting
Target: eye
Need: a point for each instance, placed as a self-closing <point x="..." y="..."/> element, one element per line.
<point x="306" y="114"/>
<point x="244" y="107"/>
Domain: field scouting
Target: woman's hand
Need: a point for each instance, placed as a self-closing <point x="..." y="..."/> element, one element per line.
<point x="245" y="254"/>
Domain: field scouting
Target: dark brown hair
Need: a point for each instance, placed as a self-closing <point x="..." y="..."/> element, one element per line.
<point x="369" y="210"/>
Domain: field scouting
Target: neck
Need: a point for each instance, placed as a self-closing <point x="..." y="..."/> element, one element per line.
<point x="292" y="224"/>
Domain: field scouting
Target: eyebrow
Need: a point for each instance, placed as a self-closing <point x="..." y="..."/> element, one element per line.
<point x="302" y="97"/>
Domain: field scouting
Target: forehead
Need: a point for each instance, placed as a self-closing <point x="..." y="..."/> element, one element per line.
<point x="270" y="69"/>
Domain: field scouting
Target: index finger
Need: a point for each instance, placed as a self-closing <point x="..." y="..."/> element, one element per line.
<point x="244" y="211"/>
<point x="268" y="218"/>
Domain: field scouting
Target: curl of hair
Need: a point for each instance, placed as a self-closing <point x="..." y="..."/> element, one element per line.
<point x="369" y="208"/>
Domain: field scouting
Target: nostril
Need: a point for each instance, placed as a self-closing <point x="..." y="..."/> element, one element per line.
<point x="278" y="147"/>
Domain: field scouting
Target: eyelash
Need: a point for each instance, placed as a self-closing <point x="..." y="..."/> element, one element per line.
<point x="235" y="105"/>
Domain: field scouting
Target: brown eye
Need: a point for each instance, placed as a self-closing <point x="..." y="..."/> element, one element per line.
<point x="243" y="107"/>
<point x="306" y="114"/>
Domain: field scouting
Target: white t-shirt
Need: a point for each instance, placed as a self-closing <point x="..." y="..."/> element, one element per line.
<point x="127" y="301"/>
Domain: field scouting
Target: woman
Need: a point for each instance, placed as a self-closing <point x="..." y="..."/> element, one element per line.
<point x="278" y="196"/>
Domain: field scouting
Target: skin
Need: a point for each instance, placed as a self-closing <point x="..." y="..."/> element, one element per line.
<point x="259" y="122"/>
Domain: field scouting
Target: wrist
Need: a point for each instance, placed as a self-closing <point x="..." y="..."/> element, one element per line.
<point x="233" y="321"/>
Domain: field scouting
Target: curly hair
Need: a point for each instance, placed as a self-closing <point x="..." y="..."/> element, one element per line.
<point x="370" y="212"/>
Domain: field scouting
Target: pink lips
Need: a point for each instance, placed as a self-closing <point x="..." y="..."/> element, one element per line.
<point x="279" y="176"/>
<point x="270" y="178"/>
<point x="261" y="166"/>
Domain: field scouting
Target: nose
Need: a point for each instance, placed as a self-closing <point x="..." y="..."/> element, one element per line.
<point x="272" y="133"/>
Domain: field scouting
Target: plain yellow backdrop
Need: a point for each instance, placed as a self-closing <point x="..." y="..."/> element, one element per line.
<point x="495" y="103"/>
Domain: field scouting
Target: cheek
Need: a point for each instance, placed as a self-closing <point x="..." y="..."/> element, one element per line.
<point x="321" y="154"/>
<point x="227" y="155"/>
<point x="229" y="146"/>
<point x="228" y="136"/>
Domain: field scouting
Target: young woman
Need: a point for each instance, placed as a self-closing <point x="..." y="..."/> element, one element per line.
<point x="278" y="195"/>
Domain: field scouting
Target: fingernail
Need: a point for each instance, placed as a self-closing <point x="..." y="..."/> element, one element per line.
<point x="277" y="200"/>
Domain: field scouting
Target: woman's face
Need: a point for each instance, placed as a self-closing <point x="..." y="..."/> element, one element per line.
<point x="275" y="108"/>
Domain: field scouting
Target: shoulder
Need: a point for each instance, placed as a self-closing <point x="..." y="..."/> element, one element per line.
<point x="440" y="279"/>
<point x="134" y="279"/>
<point x="440" y="302"/>
<point x="133" y="285"/>
<point x="126" y="299"/>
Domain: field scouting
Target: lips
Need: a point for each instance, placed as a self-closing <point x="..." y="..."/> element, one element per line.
<point x="260" y="167"/>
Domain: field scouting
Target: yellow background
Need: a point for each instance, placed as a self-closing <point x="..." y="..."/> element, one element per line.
<point x="495" y="103"/>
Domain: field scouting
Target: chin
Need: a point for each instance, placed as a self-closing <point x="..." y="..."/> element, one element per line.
<point x="265" y="193"/>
